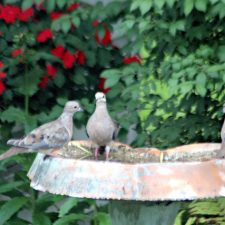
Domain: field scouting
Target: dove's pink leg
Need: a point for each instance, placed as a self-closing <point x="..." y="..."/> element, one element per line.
<point x="96" y="153"/>
<point x="107" y="151"/>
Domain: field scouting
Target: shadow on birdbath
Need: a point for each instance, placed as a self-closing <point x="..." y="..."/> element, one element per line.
<point x="152" y="182"/>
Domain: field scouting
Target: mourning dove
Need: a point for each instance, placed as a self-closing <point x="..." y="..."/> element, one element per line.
<point x="101" y="129"/>
<point x="50" y="136"/>
<point x="221" y="152"/>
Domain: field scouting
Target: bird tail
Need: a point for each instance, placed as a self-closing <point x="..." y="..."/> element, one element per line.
<point x="13" y="151"/>
<point x="101" y="150"/>
<point x="16" y="142"/>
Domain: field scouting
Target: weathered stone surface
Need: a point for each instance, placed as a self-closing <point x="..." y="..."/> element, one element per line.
<point x="133" y="180"/>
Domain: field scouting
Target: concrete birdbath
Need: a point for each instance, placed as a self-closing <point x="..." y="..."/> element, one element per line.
<point x="144" y="185"/>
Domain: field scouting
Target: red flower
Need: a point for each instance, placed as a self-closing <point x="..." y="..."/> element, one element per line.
<point x="101" y="86"/>
<point x="55" y="15"/>
<point x="43" y="82"/>
<point x="2" y="87"/>
<point x="1" y="64"/>
<point x="58" y="51"/>
<point x="106" y="39"/>
<point x="44" y="35"/>
<point x="68" y="60"/>
<point x="95" y="23"/>
<point x="51" y="70"/>
<point x="131" y="59"/>
<point x="80" y="56"/>
<point x="2" y="75"/>
<point x="16" y="52"/>
<point x="26" y="14"/>
<point x="10" y="13"/>
<point x="73" y="7"/>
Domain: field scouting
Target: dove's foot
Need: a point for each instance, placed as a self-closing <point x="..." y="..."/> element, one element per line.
<point x="96" y="153"/>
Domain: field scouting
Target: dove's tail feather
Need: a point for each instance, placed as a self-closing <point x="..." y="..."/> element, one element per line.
<point x="13" y="151"/>
<point x="16" y="142"/>
<point x="101" y="150"/>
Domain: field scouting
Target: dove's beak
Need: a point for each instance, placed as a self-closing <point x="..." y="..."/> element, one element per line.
<point x="80" y="109"/>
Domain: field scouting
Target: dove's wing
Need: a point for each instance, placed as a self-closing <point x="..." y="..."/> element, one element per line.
<point x="116" y="129"/>
<point x="47" y="136"/>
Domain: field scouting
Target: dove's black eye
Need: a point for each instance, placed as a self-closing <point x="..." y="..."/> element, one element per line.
<point x="75" y="107"/>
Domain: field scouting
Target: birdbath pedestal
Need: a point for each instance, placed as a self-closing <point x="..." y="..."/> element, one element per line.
<point x="145" y="188"/>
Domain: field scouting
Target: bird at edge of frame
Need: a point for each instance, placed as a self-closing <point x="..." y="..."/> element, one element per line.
<point x="221" y="152"/>
<point x="101" y="128"/>
<point x="49" y="137"/>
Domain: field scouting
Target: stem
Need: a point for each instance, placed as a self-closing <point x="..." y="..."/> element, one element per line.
<point x="26" y="98"/>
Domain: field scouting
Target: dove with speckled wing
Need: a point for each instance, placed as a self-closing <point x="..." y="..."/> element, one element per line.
<point x="50" y="136"/>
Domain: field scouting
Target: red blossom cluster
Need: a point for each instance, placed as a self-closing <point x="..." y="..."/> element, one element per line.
<point x="131" y="59"/>
<point x="44" y="35"/>
<point x="68" y="58"/>
<point x="10" y="13"/>
<point x="2" y="75"/>
<point x="55" y="15"/>
<point x="107" y="38"/>
<point x="16" y="52"/>
<point x="51" y="73"/>
<point x="101" y="86"/>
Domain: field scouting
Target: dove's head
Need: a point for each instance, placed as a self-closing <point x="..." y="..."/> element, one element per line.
<point x="100" y="97"/>
<point x="72" y="107"/>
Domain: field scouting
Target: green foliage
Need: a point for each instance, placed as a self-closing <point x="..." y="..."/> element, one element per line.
<point x="202" y="213"/>
<point x="10" y="208"/>
<point x="25" y="104"/>
<point x="174" y="96"/>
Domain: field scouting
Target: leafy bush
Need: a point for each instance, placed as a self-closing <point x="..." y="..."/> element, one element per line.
<point x="59" y="50"/>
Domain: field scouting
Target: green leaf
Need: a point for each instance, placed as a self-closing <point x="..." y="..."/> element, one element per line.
<point x="60" y="3"/>
<point x="66" y="24"/>
<point x="13" y="114"/>
<point x="49" y="5"/>
<point x="67" y="206"/>
<point x="201" y="5"/>
<point x="201" y="89"/>
<point x="221" y="53"/>
<point x="111" y="81"/>
<point x="103" y="218"/>
<point x="10" y="208"/>
<point x="76" y="21"/>
<point x="201" y="78"/>
<point x="134" y="5"/>
<point x="159" y="3"/>
<point x="40" y="218"/>
<point x="27" y="4"/>
<point x="188" y="6"/>
<point x="170" y="3"/>
<point x="109" y="73"/>
<point x="10" y="186"/>
<point x="186" y="87"/>
<point x="30" y="84"/>
<point x="70" y="218"/>
<point x="79" y="78"/>
<point x="60" y="80"/>
<point x="145" y="6"/>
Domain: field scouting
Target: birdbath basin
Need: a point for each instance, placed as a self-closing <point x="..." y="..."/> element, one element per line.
<point x="145" y="174"/>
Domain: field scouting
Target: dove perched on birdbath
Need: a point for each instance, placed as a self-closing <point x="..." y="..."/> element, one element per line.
<point x="51" y="136"/>
<point x="101" y="129"/>
<point x="221" y="153"/>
